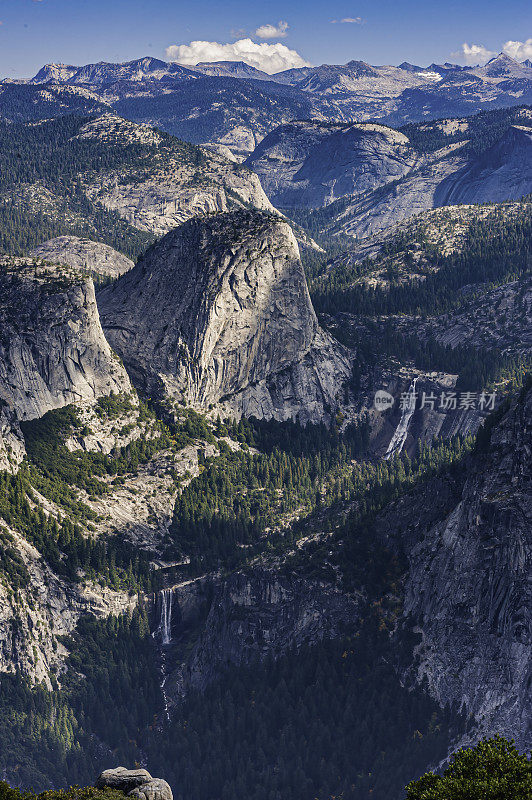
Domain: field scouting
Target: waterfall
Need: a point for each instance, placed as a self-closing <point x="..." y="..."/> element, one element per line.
<point x="165" y="619"/>
<point x="399" y="437"/>
<point x="163" y="633"/>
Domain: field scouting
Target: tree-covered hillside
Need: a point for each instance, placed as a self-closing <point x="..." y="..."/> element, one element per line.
<point x="41" y="195"/>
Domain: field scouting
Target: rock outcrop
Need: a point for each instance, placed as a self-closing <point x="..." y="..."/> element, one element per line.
<point x="12" y="448"/>
<point x="135" y="783"/>
<point x="468" y="590"/>
<point x="100" y="260"/>
<point x="218" y="314"/>
<point x="311" y="164"/>
<point x="249" y="617"/>
<point x="52" y="348"/>
<point x="503" y="172"/>
<point x="177" y="181"/>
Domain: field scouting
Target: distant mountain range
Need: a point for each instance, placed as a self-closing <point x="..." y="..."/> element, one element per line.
<point x="321" y="79"/>
<point x="237" y="105"/>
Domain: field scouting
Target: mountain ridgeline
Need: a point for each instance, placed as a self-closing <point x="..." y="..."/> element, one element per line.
<point x="238" y="105"/>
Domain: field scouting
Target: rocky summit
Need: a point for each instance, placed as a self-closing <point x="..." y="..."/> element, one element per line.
<point x="100" y="260"/>
<point x="218" y="314"/>
<point x="52" y="348"/>
<point x="311" y="164"/>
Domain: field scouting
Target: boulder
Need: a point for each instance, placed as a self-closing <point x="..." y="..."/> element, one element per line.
<point x="123" y="779"/>
<point x="156" y="789"/>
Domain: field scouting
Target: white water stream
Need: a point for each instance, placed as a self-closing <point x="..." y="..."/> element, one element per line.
<point x="399" y="437"/>
<point x="165" y="620"/>
<point x="164" y="633"/>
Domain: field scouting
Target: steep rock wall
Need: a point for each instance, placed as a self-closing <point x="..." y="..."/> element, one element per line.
<point x="218" y="312"/>
<point x="52" y="348"/>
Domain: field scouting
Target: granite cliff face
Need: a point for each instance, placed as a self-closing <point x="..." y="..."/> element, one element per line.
<point x="52" y="348"/>
<point x="100" y="260"/>
<point x="218" y="313"/>
<point x="503" y="172"/>
<point x="500" y="318"/>
<point x="450" y="175"/>
<point x="12" y="447"/>
<point x="311" y="164"/>
<point x="111" y="180"/>
<point x="249" y="617"/>
<point x="467" y="590"/>
<point x="373" y="211"/>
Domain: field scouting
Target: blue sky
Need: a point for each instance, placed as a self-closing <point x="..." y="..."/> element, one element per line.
<point x="34" y="32"/>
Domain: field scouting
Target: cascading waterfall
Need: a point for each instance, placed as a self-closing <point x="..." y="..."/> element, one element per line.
<point x="165" y="620"/>
<point x="399" y="438"/>
<point x="163" y="633"/>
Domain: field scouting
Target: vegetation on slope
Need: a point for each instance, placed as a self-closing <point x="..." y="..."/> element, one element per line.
<point x="73" y="793"/>
<point x="44" y="167"/>
<point x="328" y="721"/>
<point x="482" y="130"/>
<point x="331" y="719"/>
<point x="493" y="770"/>
<point x="66" y="540"/>
<point x="109" y="693"/>
<point x="496" y="250"/>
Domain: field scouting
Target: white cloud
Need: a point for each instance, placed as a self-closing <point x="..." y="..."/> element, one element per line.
<point x="518" y="50"/>
<point x="474" y="53"/>
<point x="278" y="31"/>
<point x="351" y="20"/>
<point x="268" y="57"/>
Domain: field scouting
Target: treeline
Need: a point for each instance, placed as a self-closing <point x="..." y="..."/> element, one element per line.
<point x="244" y="501"/>
<point x="496" y="250"/>
<point x="326" y="721"/>
<point x="26" y="223"/>
<point x="251" y="101"/>
<point x="483" y="130"/>
<point x="54" y="154"/>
